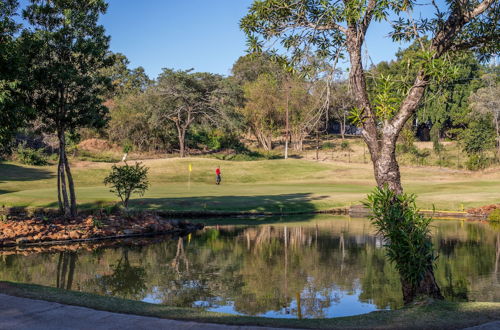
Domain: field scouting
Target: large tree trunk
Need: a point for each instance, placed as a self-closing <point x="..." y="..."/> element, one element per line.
<point x="382" y="144"/>
<point x="59" y="192"/>
<point x="385" y="164"/>
<point x="61" y="180"/>
<point x="67" y="206"/>
<point x="181" y="135"/>
<point x="72" y="195"/>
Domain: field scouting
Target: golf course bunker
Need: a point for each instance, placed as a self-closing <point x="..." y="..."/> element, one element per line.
<point x="310" y="267"/>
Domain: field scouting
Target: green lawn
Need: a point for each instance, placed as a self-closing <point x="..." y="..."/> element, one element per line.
<point x="255" y="186"/>
<point x="437" y="315"/>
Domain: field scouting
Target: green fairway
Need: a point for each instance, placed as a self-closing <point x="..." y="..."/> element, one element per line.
<point x="254" y="186"/>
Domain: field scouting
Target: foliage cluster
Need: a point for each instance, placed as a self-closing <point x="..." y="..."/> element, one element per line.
<point x="30" y="156"/>
<point x="126" y="180"/>
<point x="405" y="233"/>
<point x="494" y="215"/>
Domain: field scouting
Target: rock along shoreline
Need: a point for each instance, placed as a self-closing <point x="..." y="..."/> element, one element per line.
<point x="42" y="230"/>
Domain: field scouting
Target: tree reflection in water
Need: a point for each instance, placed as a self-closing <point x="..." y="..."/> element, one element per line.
<point x="321" y="268"/>
<point x="125" y="280"/>
<point x="66" y="270"/>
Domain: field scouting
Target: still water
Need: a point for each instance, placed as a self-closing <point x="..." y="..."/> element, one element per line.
<point x="321" y="266"/>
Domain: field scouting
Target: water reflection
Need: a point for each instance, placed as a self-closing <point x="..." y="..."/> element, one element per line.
<point x="325" y="267"/>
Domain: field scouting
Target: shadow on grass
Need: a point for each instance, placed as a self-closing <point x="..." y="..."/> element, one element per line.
<point x="11" y="172"/>
<point x="284" y="203"/>
<point x="261" y="209"/>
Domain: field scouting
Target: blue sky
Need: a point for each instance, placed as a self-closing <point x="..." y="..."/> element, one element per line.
<point x="199" y="34"/>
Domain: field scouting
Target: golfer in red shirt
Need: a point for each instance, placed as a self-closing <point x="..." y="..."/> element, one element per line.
<point x="217" y="176"/>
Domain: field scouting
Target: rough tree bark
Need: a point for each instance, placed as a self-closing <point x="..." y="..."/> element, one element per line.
<point x="67" y="206"/>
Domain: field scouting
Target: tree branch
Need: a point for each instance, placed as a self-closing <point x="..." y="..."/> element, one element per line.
<point x="443" y="40"/>
<point x="409" y="104"/>
<point x="481" y="8"/>
<point x="368" y="15"/>
<point x="473" y="42"/>
<point x="331" y="26"/>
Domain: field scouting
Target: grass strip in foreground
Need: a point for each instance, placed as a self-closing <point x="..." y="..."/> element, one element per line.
<point x="441" y="315"/>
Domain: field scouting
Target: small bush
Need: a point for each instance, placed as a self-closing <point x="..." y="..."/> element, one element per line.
<point x="494" y="215"/>
<point x="420" y="155"/>
<point x="126" y="180"/>
<point x="328" y="146"/>
<point x="444" y="161"/>
<point x="127" y="147"/>
<point x="407" y="139"/>
<point x="345" y="145"/>
<point x="477" y="162"/>
<point x="406" y="149"/>
<point x="405" y="233"/>
<point x="29" y="156"/>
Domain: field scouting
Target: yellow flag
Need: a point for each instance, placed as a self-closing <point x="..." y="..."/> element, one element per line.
<point x="190" y="168"/>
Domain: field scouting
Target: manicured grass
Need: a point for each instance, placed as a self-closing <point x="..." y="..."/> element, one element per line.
<point x="291" y="185"/>
<point x="437" y="315"/>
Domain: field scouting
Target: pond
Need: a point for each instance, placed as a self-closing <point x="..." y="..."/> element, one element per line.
<point x="322" y="266"/>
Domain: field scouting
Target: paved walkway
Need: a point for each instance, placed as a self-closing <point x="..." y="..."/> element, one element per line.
<point x="29" y="314"/>
<point x="495" y="325"/>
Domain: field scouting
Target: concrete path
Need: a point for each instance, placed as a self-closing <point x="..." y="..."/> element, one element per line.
<point x="495" y="325"/>
<point x="29" y="314"/>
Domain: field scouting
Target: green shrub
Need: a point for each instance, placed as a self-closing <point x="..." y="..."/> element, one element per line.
<point x="444" y="161"/>
<point x="494" y="215"/>
<point x="436" y="144"/>
<point x="344" y="145"/>
<point x="405" y="233"/>
<point x="406" y="149"/>
<point x="72" y="140"/>
<point x="30" y="156"/>
<point x="328" y="146"/>
<point x="126" y="180"/>
<point x="420" y="155"/>
<point x="214" y="139"/>
<point x="127" y="147"/>
<point x="407" y="139"/>
<point x="477" y="162"/>
<point x="478" y="137"/>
